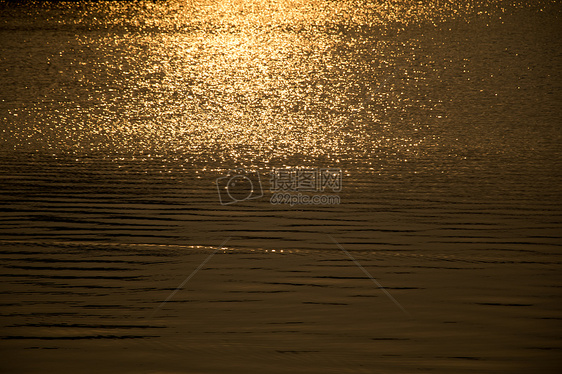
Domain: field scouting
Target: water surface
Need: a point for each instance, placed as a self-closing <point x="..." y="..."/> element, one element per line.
<point x="117" y="117"/>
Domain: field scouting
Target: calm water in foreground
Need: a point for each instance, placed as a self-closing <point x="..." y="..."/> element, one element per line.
<point x="116" y="118"/>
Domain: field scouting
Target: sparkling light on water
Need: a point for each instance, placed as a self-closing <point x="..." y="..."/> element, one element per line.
<point x="245" y="82"/>
<point x="262" y="83"/>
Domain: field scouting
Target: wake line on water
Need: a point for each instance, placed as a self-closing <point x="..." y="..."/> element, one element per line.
<point x="489" y="256"/>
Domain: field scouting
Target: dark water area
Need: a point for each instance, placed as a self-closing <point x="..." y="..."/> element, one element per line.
<point x="117" y="118"/>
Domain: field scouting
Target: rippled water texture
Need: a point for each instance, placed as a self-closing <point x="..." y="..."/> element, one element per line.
<point x="117" y="117"/>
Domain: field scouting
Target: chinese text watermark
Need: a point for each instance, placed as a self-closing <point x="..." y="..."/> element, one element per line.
<point x="292" y="186"/>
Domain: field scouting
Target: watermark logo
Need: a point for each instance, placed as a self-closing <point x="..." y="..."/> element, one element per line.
<point x="239" y="185"/>
<point x="306" y="179"/>
<point x="288" y="185"/>
<point x="300" y="199"/>
<point x="292" y="186"/>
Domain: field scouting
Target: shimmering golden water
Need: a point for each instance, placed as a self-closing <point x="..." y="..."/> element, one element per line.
<point x="117" y="117"/>
<point x="260" y="83"/>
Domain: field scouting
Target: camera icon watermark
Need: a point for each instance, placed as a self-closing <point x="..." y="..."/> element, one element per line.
<point x="239" y="185"/>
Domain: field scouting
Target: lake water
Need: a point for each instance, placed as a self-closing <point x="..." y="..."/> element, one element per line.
<point x="117" y="118"/>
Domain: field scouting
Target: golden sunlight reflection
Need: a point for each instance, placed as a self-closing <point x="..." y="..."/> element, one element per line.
<point x="248" y="82"/>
